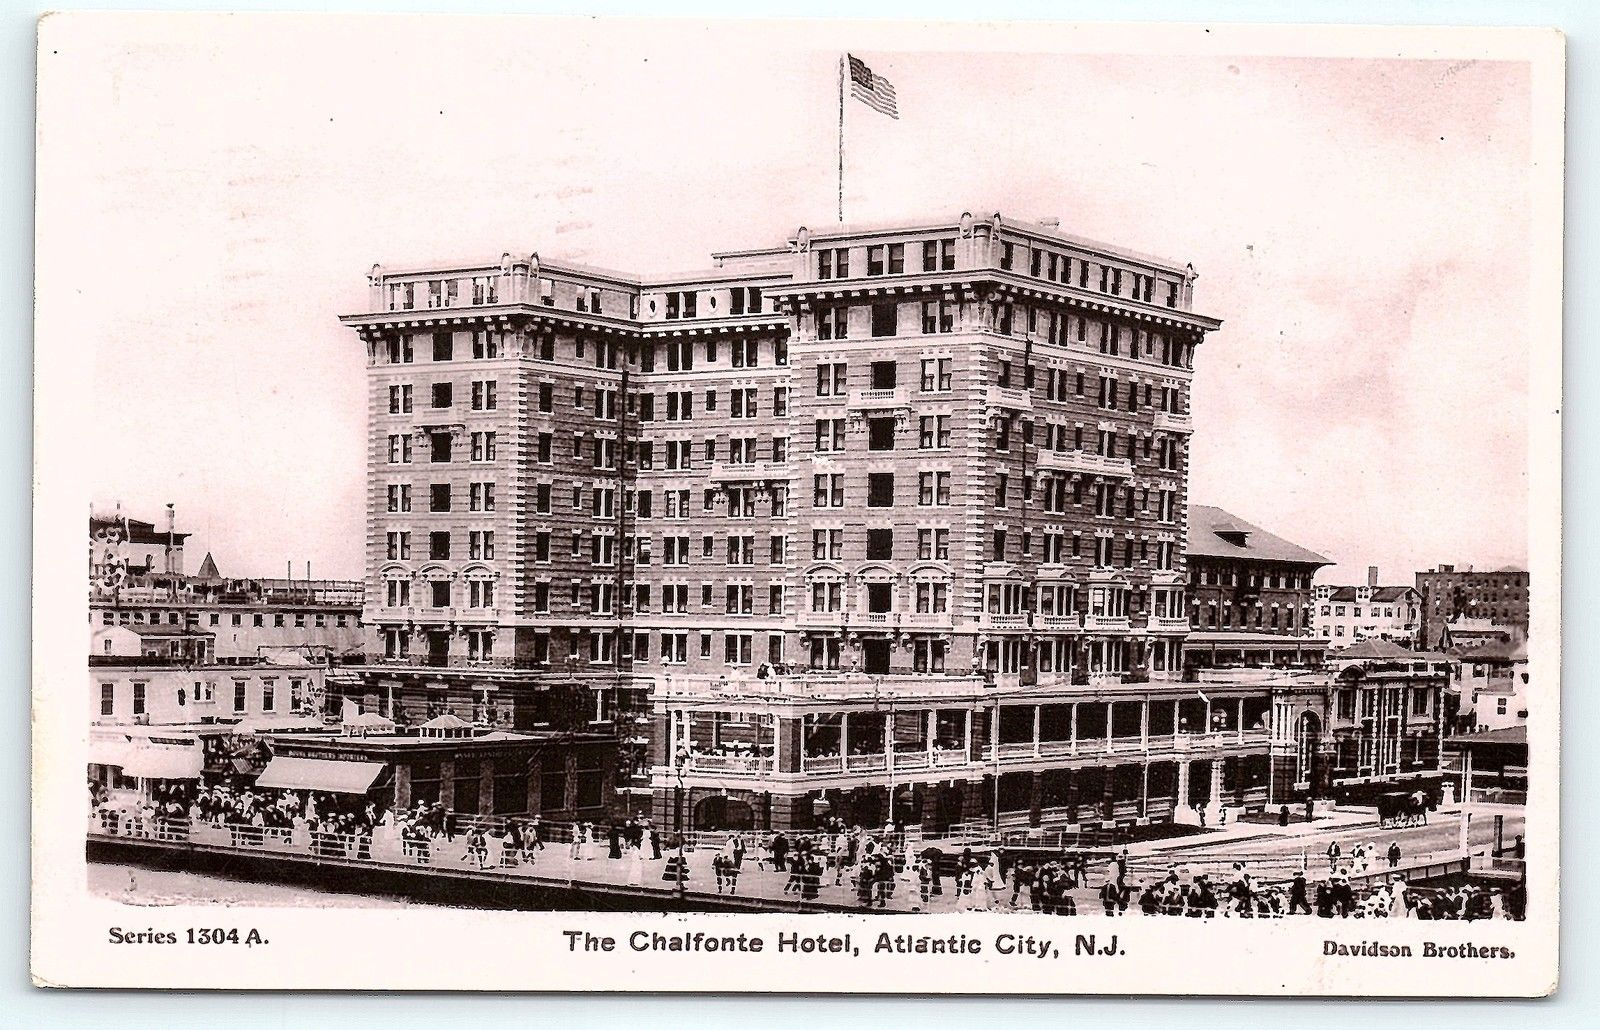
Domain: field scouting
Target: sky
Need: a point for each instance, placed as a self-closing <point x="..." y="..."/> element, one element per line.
<point x="1362" y="228"/>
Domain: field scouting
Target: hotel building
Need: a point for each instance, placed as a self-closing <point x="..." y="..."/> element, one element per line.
<point x="918" y="471"/>
<point x="1449" y="594"/>
<point x="1250" y="595"/>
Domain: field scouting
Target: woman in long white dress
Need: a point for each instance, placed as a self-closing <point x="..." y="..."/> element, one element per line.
<point x="575" y="849"/>
<point x="635" y="860"/>
<point x="586" y="844"/>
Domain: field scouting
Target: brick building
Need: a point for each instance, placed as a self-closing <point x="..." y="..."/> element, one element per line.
<point x="1448" y="594"/>
<point x="917" y="450"/>
<point x="1250" y="595"/>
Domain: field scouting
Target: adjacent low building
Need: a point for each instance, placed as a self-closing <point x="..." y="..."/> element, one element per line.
<point x="1492" y="679"/>
<point x="470" y="771"/>
<point x="1346" y="614"/>
<point x="137" y="579"/>
<point x="1250" y="596"/>
<point x="1368" y="722"/>
<point x="933" y="752"/>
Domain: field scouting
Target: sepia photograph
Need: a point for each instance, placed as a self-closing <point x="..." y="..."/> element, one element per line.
<point x="921" y="495"/>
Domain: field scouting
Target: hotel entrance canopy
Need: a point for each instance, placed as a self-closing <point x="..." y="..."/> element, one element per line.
<point x="321" y="774"/>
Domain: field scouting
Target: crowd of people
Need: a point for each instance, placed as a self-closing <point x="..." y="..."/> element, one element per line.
<point x="874" y="867"/>
<point x="1335" y="895"/>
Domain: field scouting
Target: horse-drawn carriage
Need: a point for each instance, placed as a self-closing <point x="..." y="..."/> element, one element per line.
<point x="1402" y="809"/>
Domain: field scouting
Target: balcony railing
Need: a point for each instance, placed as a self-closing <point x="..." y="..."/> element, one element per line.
<point x="870" y="400"/>
<point x="1173" y="422"/>
<point x="1008" y="397"/>
<point x="1126" y="745"/>
<point x="1059" y="622"/>
<point x="1164" y="624"/>
<point x="456" y="661"/>
<point x="750" y="472"/>
<point x="1107" y="623"/>
<point x="1084" y="462"/>
<point x="741" y="764"/>
<point x="992" y="620"/>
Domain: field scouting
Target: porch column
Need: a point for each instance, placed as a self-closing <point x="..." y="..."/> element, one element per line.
<point x="1183" y="782"/>
<point x="968" y="734"/>
<point x="1036" y="710"/>
<point x="1144" y="730"/>
<point x="1074" y="737"/>
<point x="1177" y="710"/>
<point x="888" y="748"/>
<point x="1216" y="781"/>
<point x="1111" y="708"/>
<point x="1240" y="721"/>
<point x="1144" y="790"/>
<point x="844" y="740"/>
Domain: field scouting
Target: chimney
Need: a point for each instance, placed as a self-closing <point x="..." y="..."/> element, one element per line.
<point x="1372" y="575"/>
<point x="172" y="528"/>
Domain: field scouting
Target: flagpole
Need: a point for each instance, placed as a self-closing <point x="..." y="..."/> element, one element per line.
<point x="841" y="138"/>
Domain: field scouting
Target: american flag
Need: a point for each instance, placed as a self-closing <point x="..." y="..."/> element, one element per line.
<point x="873" y="90"/>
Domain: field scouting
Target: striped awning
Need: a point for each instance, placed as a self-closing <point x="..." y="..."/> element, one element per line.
<point x="353" y="777"/>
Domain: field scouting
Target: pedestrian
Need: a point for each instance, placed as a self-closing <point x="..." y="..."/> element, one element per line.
<point x="1111" y="894"/>
<point x="1333" y="855"/>
<point x="1283" y="815"/>
<point x="1311" y="809"/>
<point x="636" y="865"/>
<point x="655" y="840"/>
<point x="1122" y="868"/>
<point x="1298" y="899"/>
<point x="614" y="841"/>
<point x="1022" y="875"/>
<point x="1394" y="854"/>
<point x="719" y="866"/>
<point x="779" y="850"/>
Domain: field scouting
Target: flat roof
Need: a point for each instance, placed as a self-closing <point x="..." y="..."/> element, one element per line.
<point x="1511" y="736"/>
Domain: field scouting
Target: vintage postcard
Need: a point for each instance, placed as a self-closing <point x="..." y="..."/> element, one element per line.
<point x="797" y="506"/>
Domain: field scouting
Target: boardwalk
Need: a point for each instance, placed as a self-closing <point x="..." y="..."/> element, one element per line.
<point x="554" y="872"/>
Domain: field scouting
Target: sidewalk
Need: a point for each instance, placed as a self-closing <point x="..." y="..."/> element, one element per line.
<point x="1235" y="832"/>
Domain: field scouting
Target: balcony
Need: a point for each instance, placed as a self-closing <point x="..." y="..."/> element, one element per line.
<point x="1173" y="422"/>
<point x="757" y="473"/>
<point x="1059" y="622"/>
<point x="1163" y="624"/>
<point x="1220" y="739"/>
<point x="990" y="620"/>
<point x="825" y="620"/>
<point x="880" y="400"/>
<point x="1085" y="463"/>
<point x="743" y="765"/>
<point x="1008" y="398"/>
<point x="1107" y="623"/>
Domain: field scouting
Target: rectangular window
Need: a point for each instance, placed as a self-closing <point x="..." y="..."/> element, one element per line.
<point x="885" y="318"/>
